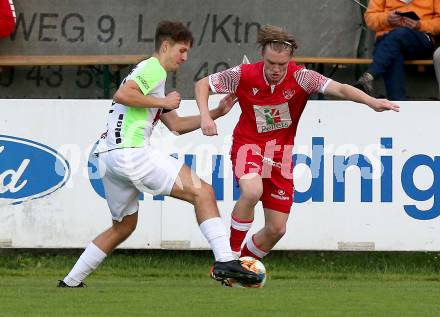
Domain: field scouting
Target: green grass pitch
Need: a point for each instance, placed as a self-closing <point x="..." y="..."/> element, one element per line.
<point x="153" y="283"/>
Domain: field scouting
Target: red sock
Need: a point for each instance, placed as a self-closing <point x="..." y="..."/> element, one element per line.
<point x="253" y="250"/>
<point x="239" y="229"/>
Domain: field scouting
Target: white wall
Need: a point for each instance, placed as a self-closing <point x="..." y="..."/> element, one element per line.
<point x="74" y="214"/>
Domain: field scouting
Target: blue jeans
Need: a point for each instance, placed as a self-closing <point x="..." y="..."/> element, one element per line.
<point x="389" y="53"/>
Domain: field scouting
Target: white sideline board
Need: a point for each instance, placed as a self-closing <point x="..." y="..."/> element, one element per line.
<point x="45" y="147"/>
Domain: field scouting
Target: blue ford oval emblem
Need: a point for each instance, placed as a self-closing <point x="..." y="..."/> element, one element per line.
<point x="29" y="170"/>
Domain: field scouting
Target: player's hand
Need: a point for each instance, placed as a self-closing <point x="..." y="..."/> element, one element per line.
<point x="225" y="105"/>
<point x="380" y="105"/>
<point x="410" y="23"/>
<point x="172" y="100"/>
<point x="395" y="20"/>
<point x="208" y="126"/>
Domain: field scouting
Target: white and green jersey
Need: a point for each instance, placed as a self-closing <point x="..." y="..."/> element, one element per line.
<point x="129" y="127"/>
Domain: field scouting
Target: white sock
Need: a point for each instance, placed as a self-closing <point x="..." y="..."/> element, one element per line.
<point x="240" y="224"/>
<point x="215" y="232"/>
<point x="86" y="264"/>
<point x="250" y="244"/>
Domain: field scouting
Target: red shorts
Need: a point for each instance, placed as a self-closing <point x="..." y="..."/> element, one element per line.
<point x="276" y="174"/>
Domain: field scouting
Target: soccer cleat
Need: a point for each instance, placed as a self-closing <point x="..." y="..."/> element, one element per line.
<point x="222" y="271"/>
<point x="365" y="83"/>
<point x="62" y="284"/>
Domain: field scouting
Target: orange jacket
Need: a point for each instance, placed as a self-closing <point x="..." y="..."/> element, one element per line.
<point x="428" y="11"/>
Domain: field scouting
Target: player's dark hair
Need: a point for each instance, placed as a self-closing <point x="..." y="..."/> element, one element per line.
<point x="277" y="38"/>
<point x="172" y="31"/>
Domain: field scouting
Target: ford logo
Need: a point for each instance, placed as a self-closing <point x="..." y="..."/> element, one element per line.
<point x="29" y="170"/>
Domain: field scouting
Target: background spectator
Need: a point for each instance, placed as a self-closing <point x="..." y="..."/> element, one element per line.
<point x="399" y="37"/>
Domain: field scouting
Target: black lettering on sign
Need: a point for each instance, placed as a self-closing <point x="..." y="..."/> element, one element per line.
<point x="35" y="74"/>
<point x="237" y="25"/>
<point x="106" y="25"/>
<point x="7" y="76"/>
<point x="247" y="30"/>
<point x="72" y="28"/>
<point x="220" y="28"/>
<point x="84" y="77"/>
<point x="204" y="70"/>
<point x="43" y="26"/>
<point x="141" y="37"/>
<point x="55" y="77"/>
<point x="220" y="67"/>
<point x="21" y="24"/>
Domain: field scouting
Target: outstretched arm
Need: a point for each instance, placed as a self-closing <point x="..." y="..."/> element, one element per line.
<point x="347" y="92"/>
<point x="187" y="124"/>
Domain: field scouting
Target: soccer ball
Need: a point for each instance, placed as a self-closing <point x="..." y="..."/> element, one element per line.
<point x="253" y="265"/>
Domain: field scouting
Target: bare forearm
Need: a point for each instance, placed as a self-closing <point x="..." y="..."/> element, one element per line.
<point x="135" y="99"/>
<point x="191" y="123"/>
<point x="202" y="96"/>
<point x="347" y="92"/>
<point x="351" y="93"/>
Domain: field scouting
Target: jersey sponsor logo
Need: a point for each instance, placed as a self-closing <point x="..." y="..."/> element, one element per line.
<point x="288" y="93"/>
<point x="269" y="118"/>
<point x="29" y="170"/>
<point x="118" y="137"/>
<point x="143" y="82"/>
<point x="280" y="196"/>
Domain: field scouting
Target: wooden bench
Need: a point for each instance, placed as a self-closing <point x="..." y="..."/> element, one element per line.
<point x="78" y="60"/>
<point x="351" y="61"/>
<point x="336" y="62"/>
<point x="69" y="60"/>
<point x="116" y="62"/>
<point x="110" y="62"/>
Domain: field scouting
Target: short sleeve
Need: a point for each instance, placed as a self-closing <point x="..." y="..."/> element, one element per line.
<point x="148" y="76"/>
<point x="225" y="82"/>
<point x="311" y="81"/>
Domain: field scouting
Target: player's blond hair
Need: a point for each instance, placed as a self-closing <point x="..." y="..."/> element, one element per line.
<point x="277" y="38"/>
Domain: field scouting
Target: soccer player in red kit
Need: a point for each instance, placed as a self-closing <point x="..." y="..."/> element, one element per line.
<point x="272" y="94"/>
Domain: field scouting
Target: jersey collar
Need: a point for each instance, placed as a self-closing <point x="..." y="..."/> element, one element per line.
<point x="272" y="87"/>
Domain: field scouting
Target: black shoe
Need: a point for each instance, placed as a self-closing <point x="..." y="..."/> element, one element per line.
<point x="365" y="83"/>
<point x="62" y="284"/>
<point x="233" y="269"/>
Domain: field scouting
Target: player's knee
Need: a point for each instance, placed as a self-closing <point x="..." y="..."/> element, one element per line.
<point x="202" y="191"/>
<point x="252" y="193"/>
<point x="125" y="228"/>
<point x="206" y="191"/>
<point x="277" y="231"/>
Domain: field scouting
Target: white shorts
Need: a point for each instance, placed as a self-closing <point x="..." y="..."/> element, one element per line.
<point x="130" y="171"/>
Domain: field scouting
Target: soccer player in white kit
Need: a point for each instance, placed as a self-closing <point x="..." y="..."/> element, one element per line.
<point x="134" y="166"/>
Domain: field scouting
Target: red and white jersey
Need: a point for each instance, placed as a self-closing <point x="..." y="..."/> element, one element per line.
<point x="270" y="113"/>
<point x="7" y="18"/>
